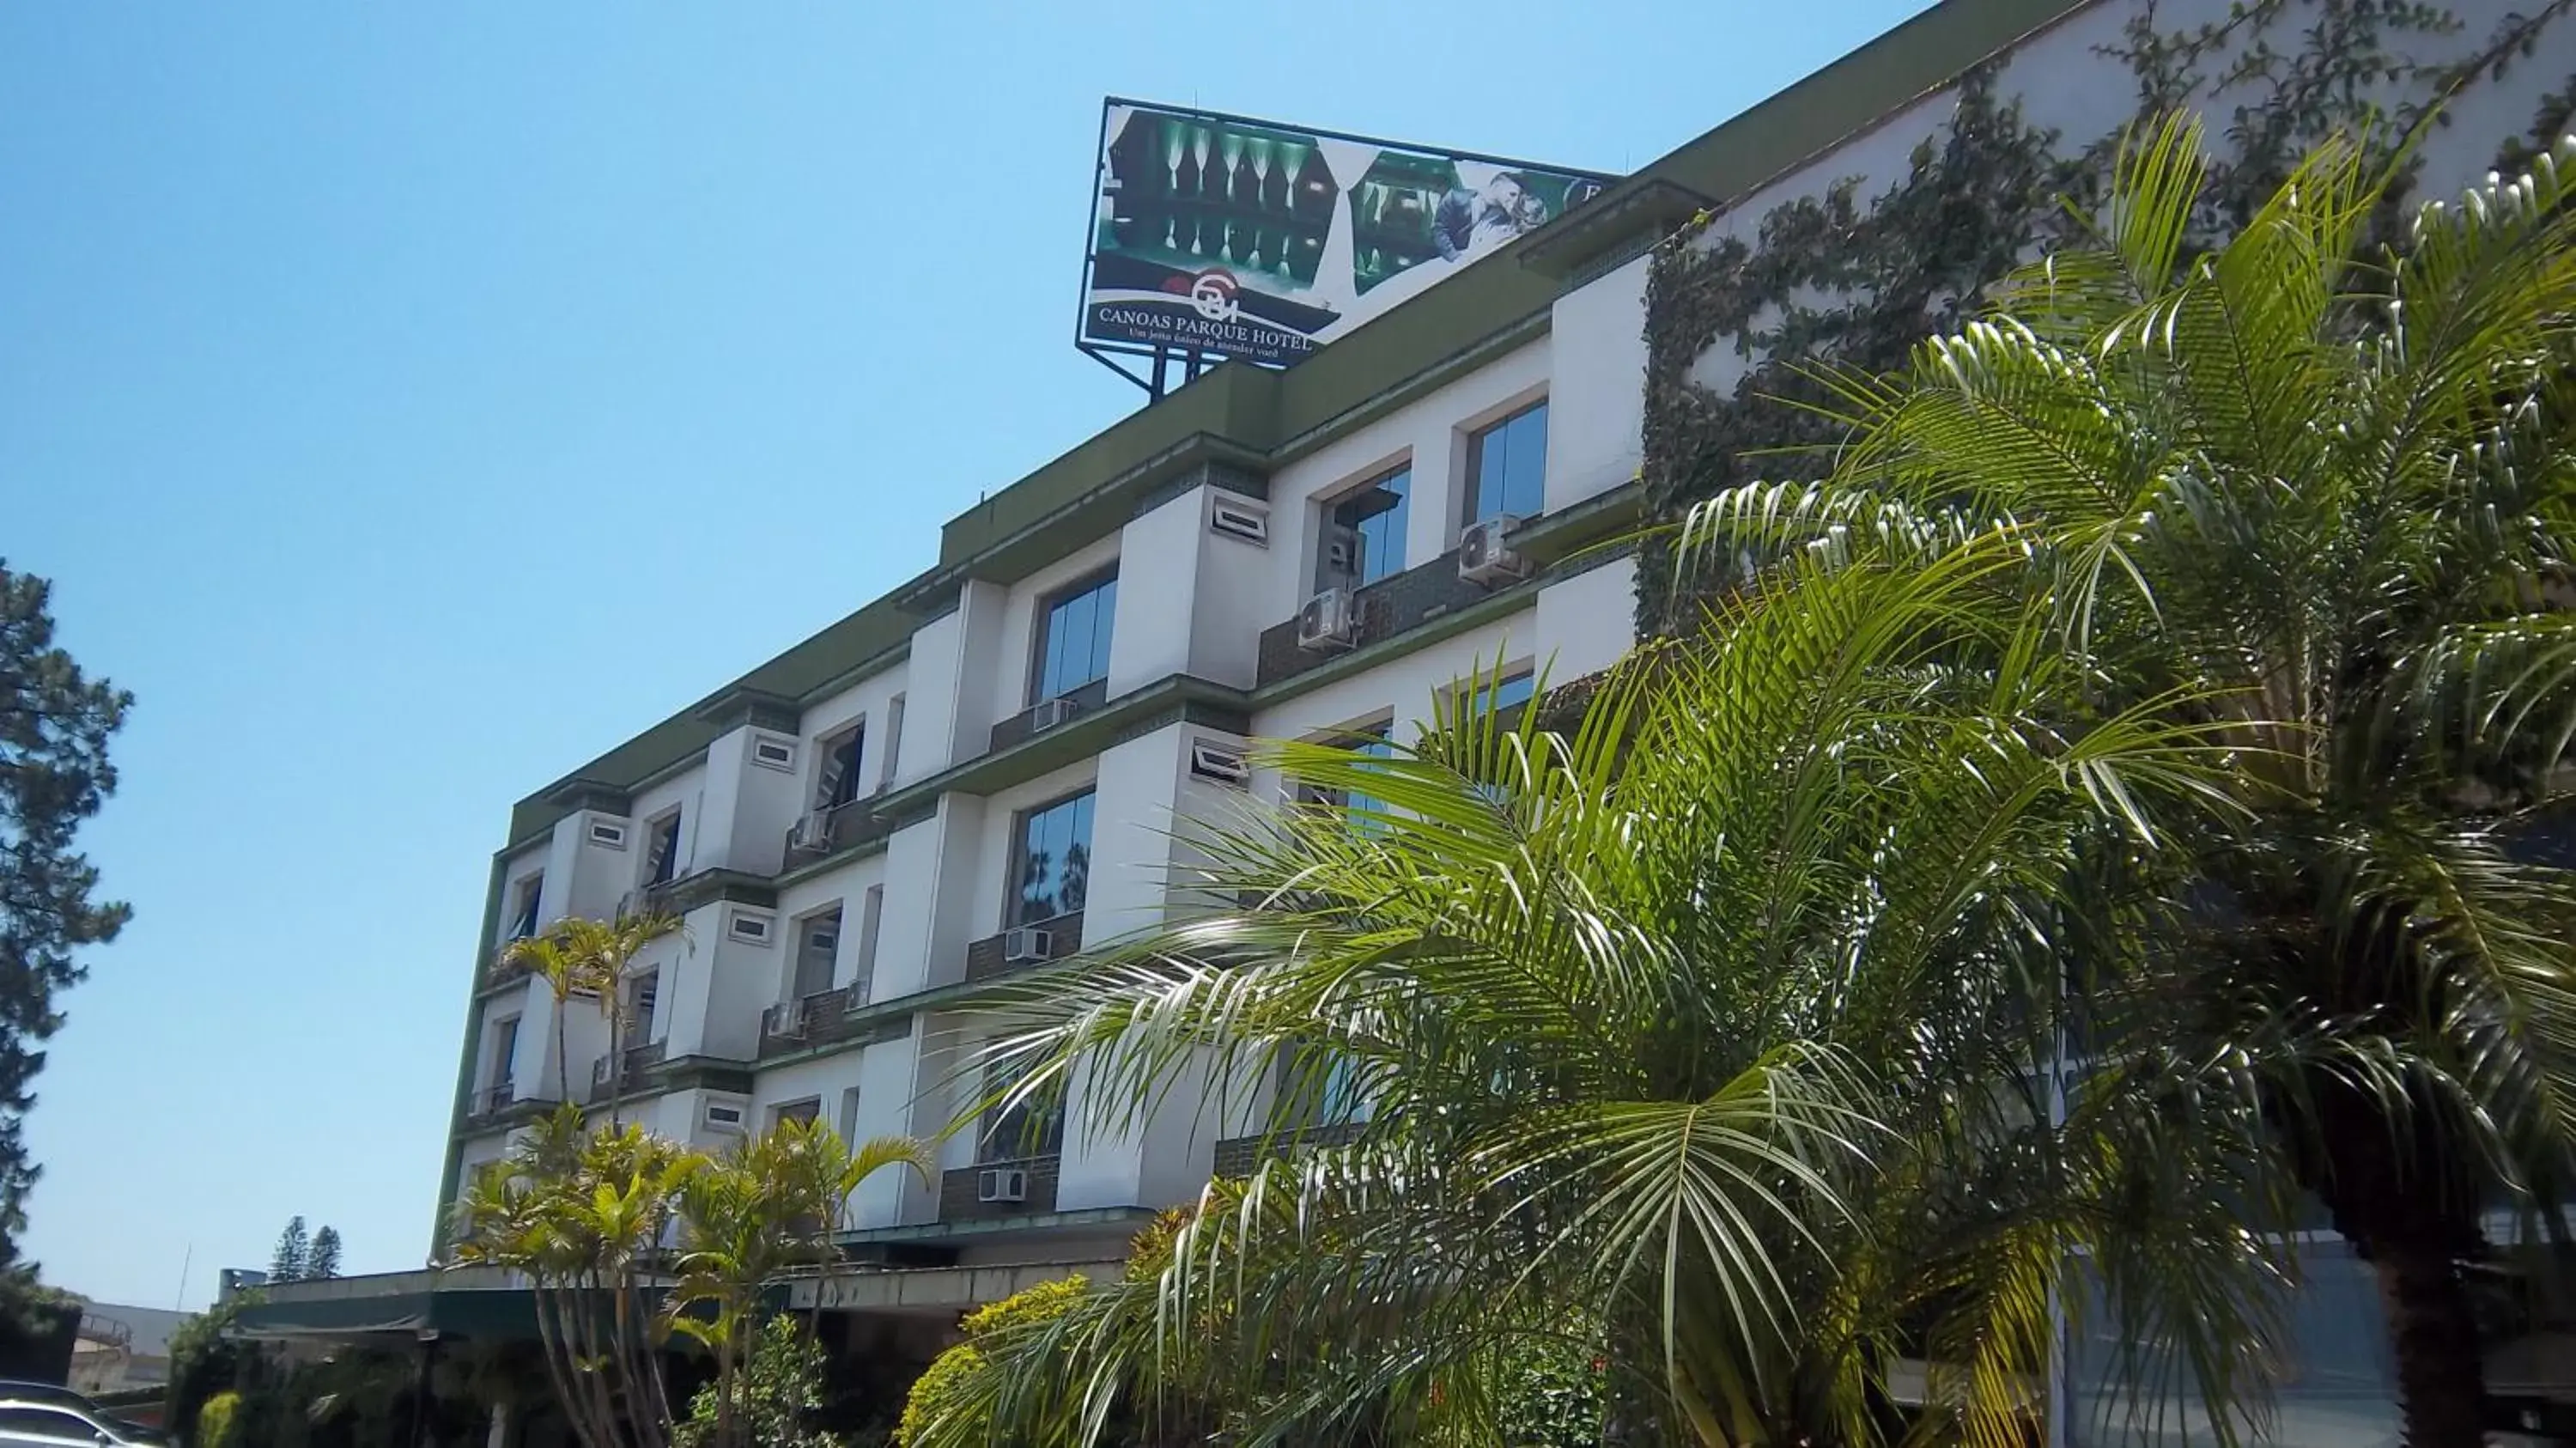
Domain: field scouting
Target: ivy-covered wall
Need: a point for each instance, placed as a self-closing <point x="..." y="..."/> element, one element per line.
<point x="1895" y="233"/>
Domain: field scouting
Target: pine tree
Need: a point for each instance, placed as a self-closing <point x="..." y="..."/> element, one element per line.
<point x="293" y="1253"/>
<point x="324" y="1260"/>
<point x="54" y="774"/>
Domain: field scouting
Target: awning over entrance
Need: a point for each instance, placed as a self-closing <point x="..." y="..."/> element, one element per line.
<point x="460" y="1302"/>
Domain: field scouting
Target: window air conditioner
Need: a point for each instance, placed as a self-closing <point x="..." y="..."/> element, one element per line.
<point x="1048" y="713"/>
<point x="1342" y="553"/>
<point x="1485" y="554"/>
<point x="785" y="1020"/>
<point x="813" y="831"/>
<point x="1329" y="620"/>
<point x="1019" y="947"/>
<point x="1002" y="1184"/>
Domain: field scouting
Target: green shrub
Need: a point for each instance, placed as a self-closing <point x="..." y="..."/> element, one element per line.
<point x="215" y="1420"/>
<point x="947" y="1385"/>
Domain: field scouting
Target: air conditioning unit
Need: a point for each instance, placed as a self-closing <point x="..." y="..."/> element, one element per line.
<point x="602" y="1069"/>
<point x="1485" y="553"/>
<point x="1217" y="762"/>
<point x="1341" y="553"/>
<point x="813" y="831"/>
<point x="1048" y="713"/>
<point x="1002" y="1184"/>
<point x="1022" y="946"/>
<point x="1330" y="620"/>
<point x="785" y="1019"/>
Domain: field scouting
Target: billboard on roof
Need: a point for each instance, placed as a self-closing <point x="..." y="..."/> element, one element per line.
<point x="1260" y="242"/>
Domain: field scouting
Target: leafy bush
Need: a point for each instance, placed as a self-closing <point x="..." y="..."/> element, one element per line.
<point x="215" y="1420"/>
<point x="782" y="1385"/>
<point x="946" y="1381"/>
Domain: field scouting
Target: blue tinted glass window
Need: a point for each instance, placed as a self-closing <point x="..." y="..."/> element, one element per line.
<point x="1055" y="861"/>
<point x="1507" y="467"/>
<point x="1073" y="647"/>
<point x="1377" y="513"/>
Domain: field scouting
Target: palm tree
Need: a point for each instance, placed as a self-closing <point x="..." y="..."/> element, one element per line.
<point x="582" y="1214"/>
<point x="550" y="958"/>
<point x="601" y="951"/>
<point x="1713" y="1025"/>
<point x="749" y="1217"/>
<point x="2321" y="504"/>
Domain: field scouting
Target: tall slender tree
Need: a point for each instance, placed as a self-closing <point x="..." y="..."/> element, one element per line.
<point x="324" y="1260"/>
<point x="54" y="774"/>
<point x="294" y="1253"/>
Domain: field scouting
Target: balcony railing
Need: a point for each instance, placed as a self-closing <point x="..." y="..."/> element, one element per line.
<point x="1236" y="1156"/>
<point x="830" y="831"/>
<point x="1393" y="605"/>
<point x="502" y="1098"/>
<point x="1046" y="714"/>
<point x="991" y="957"/>
<point x="813" y="1020"/>
<point x="624" y="1072"/>
<point x="962" y="1191"/>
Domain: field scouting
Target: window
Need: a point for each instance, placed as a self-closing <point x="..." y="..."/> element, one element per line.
<point x="523" y="910"/>
<point x="1053" y="864"/>
<point x="641" y="998"/>
<point x="1507" y="467"/>
<point x="871" y="910"/>
<point x="34" y="1424"/>
<point x="1073" y="638"/>
<point x="1369" y="523"/>
<point x="818" y="944"/>
<point x="662" y="853"/>
<point x="805" y="1110"/>
<point x="850" y="1114"/>
<point x="1031" y="1126"/>
<point x="1511" y="693"/>
<point x="893" y="741"/>
<point x="1372" y="741"/>
<point x="839" y="783"/>
<point x="505" y="1052"/>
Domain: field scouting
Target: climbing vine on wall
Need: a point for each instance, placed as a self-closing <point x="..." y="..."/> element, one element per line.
<point x="1857" y="281"/>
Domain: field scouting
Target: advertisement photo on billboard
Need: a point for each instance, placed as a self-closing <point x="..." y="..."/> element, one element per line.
<point x="1259" y="242"/>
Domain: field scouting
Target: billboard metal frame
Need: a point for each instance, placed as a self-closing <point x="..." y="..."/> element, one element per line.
<point x="1156" y="377"/>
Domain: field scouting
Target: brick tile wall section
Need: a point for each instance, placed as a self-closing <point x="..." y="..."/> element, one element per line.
<point x="984" y="958"/>
<point x="958" y="1190"/>
<point x="1236" y="1156"/>
<point x="1020" y="727"/>
<point x="1387" y="607"/>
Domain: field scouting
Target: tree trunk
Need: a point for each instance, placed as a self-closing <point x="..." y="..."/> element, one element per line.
<point x="2441" y="1376"/>
<point x="2402" y="1193"/>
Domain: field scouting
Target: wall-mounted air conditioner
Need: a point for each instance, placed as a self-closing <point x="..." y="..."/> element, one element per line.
<point x="1329" y="621"/>
<point x="785" y="1020"/>
<point x="1002" y="1184"/>
<point x="1019" y="947"/>
<point x="1048" y="713"/>
<point x="812" y="831"/>
<point x="1341" y="550"/>
<point x="1485" y="554"/>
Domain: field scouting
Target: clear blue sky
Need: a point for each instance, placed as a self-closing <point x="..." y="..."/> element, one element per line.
<point x="411" y="401"/>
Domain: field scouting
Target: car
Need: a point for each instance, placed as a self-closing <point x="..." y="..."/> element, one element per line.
<point x="51" y="1422"/>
